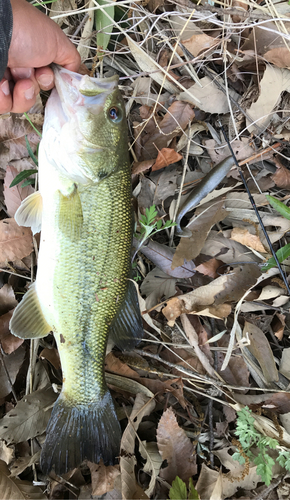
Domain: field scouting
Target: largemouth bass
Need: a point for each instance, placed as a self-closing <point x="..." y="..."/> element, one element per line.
<point x="82" y="290"/>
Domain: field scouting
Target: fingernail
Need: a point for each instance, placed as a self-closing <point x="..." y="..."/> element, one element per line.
<point x="21" y="73"/>
<point x="29" y="93"/>
<point x="45" y="80"/>
<point x="5" y="87"/>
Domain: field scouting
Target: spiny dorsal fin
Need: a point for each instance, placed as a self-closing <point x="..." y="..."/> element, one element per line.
<point x="28" y="321"/>
<point x="29" y="214"/>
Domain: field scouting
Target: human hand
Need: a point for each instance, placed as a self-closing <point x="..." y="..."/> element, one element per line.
<point x="36" y="42"/>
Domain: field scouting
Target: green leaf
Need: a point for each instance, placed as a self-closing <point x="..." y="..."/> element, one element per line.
<point x="21" y="176"/>
<point x="34" y="128"/>
<point x="104" y="26"/>
<point x="265" y="471"/>
<point x="279" y="206"/>
<point x="193" y="494"/>
<point x="282" y="254"/>
<point x="159" y="224"/>
<point x="30" y="152"/>
<point x="178" y="490"/>
<point x="237" y="456"/>
<point x="28" y="182"/>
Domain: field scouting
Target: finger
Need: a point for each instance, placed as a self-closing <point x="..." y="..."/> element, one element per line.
<point x="45" y="78"/>
<point x="21" y="73"/>
<point x="66" y="54"/>
<point x="24" y="95"/>
<point x="5" y="96"/>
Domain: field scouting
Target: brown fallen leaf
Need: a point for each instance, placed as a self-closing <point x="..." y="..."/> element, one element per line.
<point x="103" y="477"/>
<point x="52" y="356"/>
<point x="130" y="489"/>
<point x="244" y="237"/>
<point x="14" y="196"/>
<point x="161" y="133"/>
<point x="166" y="157"/>
<point x="176" y="448"/>
<point x="261" y="350"/>
<point x="282" y="176"/>
<point x="13" y="130"/>
<point x="13" y="363"/>
<point x="209" y="268"/>
<point x="15" y="241"/>
<point x="278" y="402"/>
<point x="212" y="299"/>
<point x="141" y="166"/>
<point x="162" y="255"/>
<point x="189" y="248"/>
<point x="198" y="43"/>
<point x="8" y="341"/>
<point x="280" y="56"/>
<point x="7" y="299"/>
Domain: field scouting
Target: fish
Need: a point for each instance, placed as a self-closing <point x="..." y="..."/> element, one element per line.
<point x="83" y="290"/>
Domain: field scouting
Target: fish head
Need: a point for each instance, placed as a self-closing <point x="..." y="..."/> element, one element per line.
<point x="90" y="118"/>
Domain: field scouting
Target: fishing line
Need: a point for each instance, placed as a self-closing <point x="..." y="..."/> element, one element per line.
<point x="256" y="210"/>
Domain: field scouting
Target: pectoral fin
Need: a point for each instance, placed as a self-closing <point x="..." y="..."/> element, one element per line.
<point x="126" y="331"/>
<point x="71" y="214"/>
<point x="28" y="321"/>
<point x="29" y="214"/>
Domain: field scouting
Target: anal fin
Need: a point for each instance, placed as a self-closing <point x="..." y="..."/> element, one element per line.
<point x="126" y="331"/>
<point x="71" y="214"/>
<point x="28" y="321"/>
<point x="29" y="214"/>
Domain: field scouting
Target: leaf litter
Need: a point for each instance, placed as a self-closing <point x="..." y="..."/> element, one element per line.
<point x="216" y="318"/>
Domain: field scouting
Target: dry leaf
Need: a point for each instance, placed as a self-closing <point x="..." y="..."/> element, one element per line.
<point x="162" y="256"/>
<point x="176" y="448"/>
<point x="244" y="237"/>
<point x="165" y="158"/>
<point x="14" y="196"/>
<point x="150" y="453"/>
<point x="149" y="65"/>
<point x="52" y="356"/>
<point x="15" y="489"/>
<point x="103" y="478"/>
<point x="198" y="43"/>
<point x="13" y="363"/>
<point x="7" y="299"/>
<point x="29" y="418"/>
<point x="15" y="241"/>
<point x="274" y="82"/>
<point x="161" y="133"/>
<point x="22" y="463"/>
<point x="211" y="98"/>
<point x="189" y="248"/>
<point x="209" y="268"/>
<point x="210" y="299"/>
<point x="84" y="43"/>
<point x="281" y="177"/>
<point x="13" y="130"/>
<point x="261" y="350"/>
<point x="141" y="166"/>
<point x="143" y="406"/>
<point x="157" y="286"/>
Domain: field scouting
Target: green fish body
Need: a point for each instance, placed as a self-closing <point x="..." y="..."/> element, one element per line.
<point x="83" y="291"/>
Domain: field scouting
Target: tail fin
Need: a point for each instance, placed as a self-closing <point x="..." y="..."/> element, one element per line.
<point x="76" y="433"/>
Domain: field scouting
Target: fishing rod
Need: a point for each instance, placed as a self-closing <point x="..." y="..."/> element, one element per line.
<point x="256" y="210"/>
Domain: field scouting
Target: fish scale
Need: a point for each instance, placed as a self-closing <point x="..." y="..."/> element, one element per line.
<point x="83" y="290"/>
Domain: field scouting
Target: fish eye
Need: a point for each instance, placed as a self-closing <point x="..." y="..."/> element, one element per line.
<point x="115" y="114"/>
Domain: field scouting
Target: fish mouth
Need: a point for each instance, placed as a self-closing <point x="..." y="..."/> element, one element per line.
<point x="81" y="91"/>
